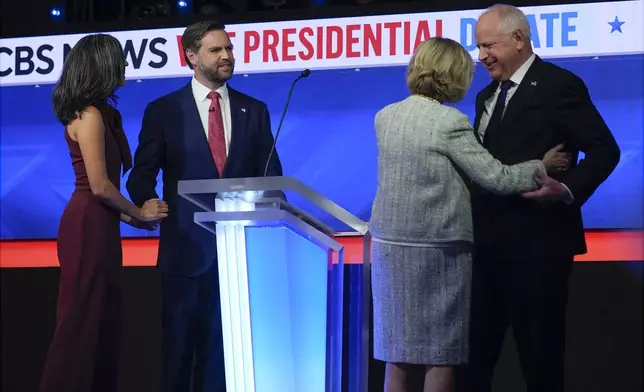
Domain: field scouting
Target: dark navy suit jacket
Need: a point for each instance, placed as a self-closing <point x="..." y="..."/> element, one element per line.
<point x="550" y="106"/>
<point x="173" y="140"/>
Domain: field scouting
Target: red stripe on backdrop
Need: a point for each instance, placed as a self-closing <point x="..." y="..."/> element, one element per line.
<point x="602" y="246"/>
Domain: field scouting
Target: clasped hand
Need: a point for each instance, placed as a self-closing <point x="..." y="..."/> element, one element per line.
<point x="152" y="213"/>
<point x="555" y="160"/>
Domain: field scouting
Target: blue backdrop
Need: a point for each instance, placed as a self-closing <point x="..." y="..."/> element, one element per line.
<point x="327" y="140"/>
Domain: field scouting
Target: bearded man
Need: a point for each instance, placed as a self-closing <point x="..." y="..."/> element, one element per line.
<point x="187" y="134"/>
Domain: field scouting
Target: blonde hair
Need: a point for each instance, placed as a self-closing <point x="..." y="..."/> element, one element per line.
<point x="440" y="69"/>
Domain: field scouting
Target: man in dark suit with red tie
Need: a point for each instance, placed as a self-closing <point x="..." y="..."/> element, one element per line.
<point x="205" y="130"/>
<point x="525" y="245"/>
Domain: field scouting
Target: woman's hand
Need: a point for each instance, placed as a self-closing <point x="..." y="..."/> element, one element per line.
<point x="556" y="160"/>
<point x="153" y="211"/>
<point x="149" y="226"/>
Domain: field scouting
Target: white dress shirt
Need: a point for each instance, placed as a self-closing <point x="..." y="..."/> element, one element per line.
<point x="488" y="108"/>
<point x="200" y="92"/>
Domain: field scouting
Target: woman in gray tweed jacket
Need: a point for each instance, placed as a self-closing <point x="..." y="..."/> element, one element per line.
<point x="421" y="221"/>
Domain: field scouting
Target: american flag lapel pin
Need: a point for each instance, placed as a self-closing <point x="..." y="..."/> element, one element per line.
<point x="533" y="83"/>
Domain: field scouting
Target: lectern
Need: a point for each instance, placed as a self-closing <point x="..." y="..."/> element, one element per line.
<point x="281" y="281"/>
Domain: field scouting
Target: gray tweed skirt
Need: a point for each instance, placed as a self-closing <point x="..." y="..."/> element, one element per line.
<point x="421" y="303"/>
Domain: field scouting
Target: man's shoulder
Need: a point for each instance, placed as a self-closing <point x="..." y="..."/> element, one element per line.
<point x="169" y="98"/>
<point x="557" y="73"/>
<point x="245" y="98"/>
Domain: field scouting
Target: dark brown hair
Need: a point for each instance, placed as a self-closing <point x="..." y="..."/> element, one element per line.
<point x="92" y="72"/>
<point x="192" y="36"/>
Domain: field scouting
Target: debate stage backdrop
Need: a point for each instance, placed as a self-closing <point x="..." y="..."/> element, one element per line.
<point x="327" y="140"/>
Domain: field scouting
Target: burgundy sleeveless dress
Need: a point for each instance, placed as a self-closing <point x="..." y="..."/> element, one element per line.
<point x="84" y="353"/>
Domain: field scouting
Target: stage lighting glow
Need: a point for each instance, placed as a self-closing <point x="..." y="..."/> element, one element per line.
<point x="235" y="303"/>
<point x="182" y="4"/>
<point x="55" y="12"/>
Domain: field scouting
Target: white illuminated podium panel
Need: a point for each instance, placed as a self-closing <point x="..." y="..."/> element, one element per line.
<point x="281" y="283"/>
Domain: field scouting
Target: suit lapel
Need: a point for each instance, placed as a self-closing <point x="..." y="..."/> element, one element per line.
<point x="523" y="95"/>
<point x="485" y="94"/>
<point x="238" y="122"/>
<point x="192" y="126"/>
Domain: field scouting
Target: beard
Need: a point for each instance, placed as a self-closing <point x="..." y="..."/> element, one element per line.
<point x="214" y="74"/>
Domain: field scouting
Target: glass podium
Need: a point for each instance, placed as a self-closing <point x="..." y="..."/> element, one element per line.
<point x="281" y="282"/>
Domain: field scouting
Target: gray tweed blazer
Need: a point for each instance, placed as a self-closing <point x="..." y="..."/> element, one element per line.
<point x="424" y="148"/>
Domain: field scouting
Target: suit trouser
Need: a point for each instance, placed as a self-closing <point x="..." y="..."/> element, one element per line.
<point x="530" y="295"/>
<point x="192" y="344"/>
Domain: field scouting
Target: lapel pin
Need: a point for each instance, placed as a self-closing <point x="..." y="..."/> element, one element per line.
<point x="244" y="110"/>
<point x="533" y="84"/>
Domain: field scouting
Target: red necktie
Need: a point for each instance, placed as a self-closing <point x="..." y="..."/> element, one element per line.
<point x="216" y="138"/>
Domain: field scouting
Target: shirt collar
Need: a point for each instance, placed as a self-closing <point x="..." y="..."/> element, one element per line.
<point x="201" y="92"/>
<point x="520" y="73"/>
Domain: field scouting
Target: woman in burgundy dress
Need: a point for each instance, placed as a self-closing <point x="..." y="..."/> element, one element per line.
<point x="84" y="353"/>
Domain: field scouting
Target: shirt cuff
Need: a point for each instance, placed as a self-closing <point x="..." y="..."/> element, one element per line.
<point x="570" y="199"/>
